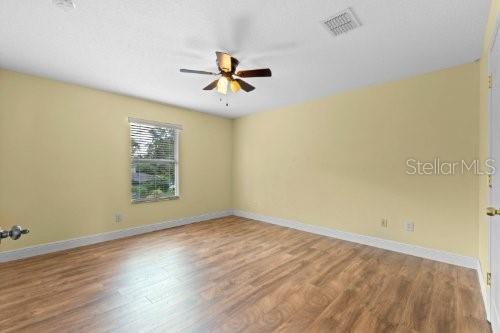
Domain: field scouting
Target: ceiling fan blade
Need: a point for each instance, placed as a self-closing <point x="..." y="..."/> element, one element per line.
<point x="211" y="85"/>
<point x="224" y="61"/>
<point x="245" y="86"/>
<point x="234" y="63"/>
<point x="263" y="72"/>
<point x="183" y="70"/>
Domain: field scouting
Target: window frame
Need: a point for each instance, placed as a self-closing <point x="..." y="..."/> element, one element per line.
<point x="177" y="129"/>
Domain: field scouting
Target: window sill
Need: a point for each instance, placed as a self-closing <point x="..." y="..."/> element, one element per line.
<point x="138" y="201"/>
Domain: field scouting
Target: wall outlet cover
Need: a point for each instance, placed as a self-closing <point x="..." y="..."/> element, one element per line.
<point x="409" y="226"/>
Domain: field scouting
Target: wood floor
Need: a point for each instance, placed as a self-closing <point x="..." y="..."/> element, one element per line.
<point x="232" y="275"/>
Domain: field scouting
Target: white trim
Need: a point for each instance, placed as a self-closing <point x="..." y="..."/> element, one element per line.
<point x="176" y="158"/>
<point x="414" y="250"/>
<point x="98" y="238"/>
<point x="153" y="123"/>
<point x="485" y="291"/>
<point x="493" y="37"/>
<point x="493" y="315"/>
<point x="496" y="315"/>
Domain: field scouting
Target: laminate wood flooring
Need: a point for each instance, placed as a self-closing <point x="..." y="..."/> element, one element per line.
<point x="237" y="275"/>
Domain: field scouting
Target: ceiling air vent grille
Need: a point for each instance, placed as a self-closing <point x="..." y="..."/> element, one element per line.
<point x="64" y="4"/>
<point x="342" y="22"/>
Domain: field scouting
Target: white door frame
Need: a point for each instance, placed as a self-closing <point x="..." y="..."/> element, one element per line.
<point x="495" y="38"/>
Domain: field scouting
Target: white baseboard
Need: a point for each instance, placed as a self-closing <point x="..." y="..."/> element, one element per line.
<point x="495" y="319"/>
<point x="414" y="250"/>
<point x="98" y="238"/>
<point x="485" y="291"/>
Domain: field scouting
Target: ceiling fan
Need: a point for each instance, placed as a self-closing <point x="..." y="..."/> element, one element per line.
<point x="227" y="70"/>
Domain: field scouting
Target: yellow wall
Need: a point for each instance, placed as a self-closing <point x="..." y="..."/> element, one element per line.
<point x="339" y="162"/>
<point x="483" y="195"/>
<point x="64" y="160"/>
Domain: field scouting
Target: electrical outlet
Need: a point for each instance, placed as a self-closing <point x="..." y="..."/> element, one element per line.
<point x="409" y="226"/>
<point x="118" y="217"/>
<point x="384" y="222"/>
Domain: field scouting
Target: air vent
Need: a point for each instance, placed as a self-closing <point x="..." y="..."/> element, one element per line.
<point x="342" y="22"/>
<point x="64" y="4"/>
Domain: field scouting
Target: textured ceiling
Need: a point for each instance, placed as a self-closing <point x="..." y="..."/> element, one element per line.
<point x="137" y="47"/>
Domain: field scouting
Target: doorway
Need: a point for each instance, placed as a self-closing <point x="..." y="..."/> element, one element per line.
<point x="495" y="189"/>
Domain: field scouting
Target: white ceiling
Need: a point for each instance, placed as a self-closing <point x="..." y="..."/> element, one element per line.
<point x="137" y="47"/>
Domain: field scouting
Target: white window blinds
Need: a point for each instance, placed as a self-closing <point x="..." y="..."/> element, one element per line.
<point x="154" y="160"/>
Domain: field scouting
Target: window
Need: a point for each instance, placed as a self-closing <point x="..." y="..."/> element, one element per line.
<point x="154" y="160"/>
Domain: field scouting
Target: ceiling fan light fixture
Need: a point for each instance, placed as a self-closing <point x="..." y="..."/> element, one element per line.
<point x="235" y="86"/>
<point x="222" y="85"/>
